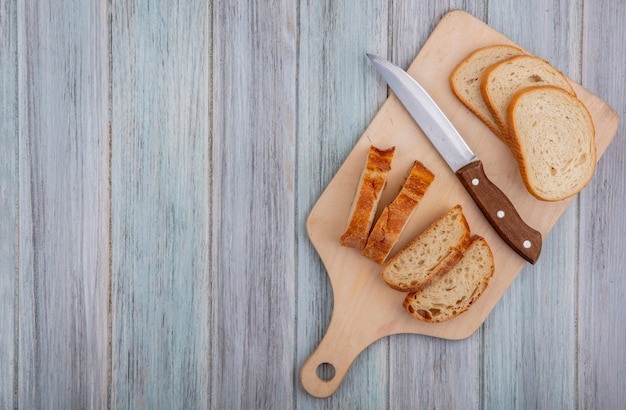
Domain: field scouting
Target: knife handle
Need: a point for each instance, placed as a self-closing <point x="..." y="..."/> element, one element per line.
<point x="500" y="212"/>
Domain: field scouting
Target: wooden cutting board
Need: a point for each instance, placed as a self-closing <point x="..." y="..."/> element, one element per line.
<point x="365" y="308"/>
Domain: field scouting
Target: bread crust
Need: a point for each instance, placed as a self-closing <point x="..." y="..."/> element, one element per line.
<point x="367" y="196"/>
<point x="516" y="148"/>
<point x="395" y="216"/>
<point x="485" y="116"/>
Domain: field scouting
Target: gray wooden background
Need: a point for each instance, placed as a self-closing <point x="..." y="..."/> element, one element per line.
<point x="158" y="161"/>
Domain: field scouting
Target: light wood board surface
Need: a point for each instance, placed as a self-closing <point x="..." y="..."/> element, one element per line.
<point x="159" y="161"/>
<point x="366" y="309"/>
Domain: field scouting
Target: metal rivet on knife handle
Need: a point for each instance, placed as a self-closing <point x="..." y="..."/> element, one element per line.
<point x="500" y="212"/>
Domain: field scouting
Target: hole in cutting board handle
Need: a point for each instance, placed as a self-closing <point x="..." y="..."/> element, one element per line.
<point x="325" y="371"/>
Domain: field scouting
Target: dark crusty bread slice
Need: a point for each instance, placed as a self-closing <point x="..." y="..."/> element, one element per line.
<point x="553" y="140"/>
<point x="367" y="197"/>
<point x="466" y="77"/>
<point x="394" y="217"/>
<point x="502" y="80"/>
<point x="455" y="292"/>
<point x="430" y="255"/>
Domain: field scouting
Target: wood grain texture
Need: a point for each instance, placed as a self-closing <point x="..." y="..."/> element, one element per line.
<point x="161" y="302"/>
<point x="601" y="361"/>
<point x="159" y="159"/>
<point x="337" y="96"/>
<point x="527" y="372"/>
<point x="63" y="204"/>
<point x="253" y="181"/>
<point x="8" y="200"/>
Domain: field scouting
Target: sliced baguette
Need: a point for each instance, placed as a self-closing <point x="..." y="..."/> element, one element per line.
<point x="553" y="140"/>
<point x="394" y="217"/>
<point x="367" y="197"/>
<point x="455" y="292"/>
<point x="430" y="255"/>
<point x="502" y="80"/>
<point x="466" y="77"/>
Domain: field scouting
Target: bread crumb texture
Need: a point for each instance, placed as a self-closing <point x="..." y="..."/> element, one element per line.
<point x="455" y="292"/>
<point x="553" y="139"/>
<point x="430" y="254"/>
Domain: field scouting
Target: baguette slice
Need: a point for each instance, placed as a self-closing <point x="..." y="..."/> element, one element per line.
<point x="553" y="140"/>
<point x="394" y="217"/>
<point x="502" y="80"/>
<point x="371" y="185"/>
<point x="455" y="292"/>
<point x="465" y="80"/>
<point x="430" y="255"/>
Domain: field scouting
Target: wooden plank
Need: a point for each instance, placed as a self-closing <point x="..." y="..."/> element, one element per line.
<point x="63" y="204"/>
<point x="447" y="372"/>
<point x="529" y="347"/>
<point x="338" y="94"/>
<point x="412" y="23"/>
<point x="8" y="200"/>
<point x="601" y="286"/>
<point x="160" y="204"/>
<point x="253" y="182"/>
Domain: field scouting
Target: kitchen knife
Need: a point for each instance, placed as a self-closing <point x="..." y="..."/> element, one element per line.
<point x="493" y="203"/>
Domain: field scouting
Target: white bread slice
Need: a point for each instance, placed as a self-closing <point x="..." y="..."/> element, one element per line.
<point x="430" y="255"/>
<point x="502" y="80"/>
<point x="553" y="140"/>
<point x="394" y="217"/>
<point x="455" y="292"/>
<point x="466" y="77"/>
<point x="367" y="196"/>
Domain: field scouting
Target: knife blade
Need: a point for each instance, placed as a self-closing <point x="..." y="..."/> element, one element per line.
<point x="492" y="202"/>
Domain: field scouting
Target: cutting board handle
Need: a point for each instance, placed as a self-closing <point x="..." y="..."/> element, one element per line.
<point x="339" y="347"/>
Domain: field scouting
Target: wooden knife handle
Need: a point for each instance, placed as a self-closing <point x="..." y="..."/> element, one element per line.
<point x="500" y="212"/>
